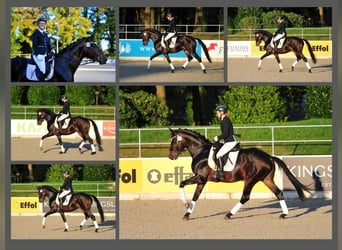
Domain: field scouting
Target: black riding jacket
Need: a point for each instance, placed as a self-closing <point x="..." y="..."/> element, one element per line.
<point x="66" y="108"/>
<point x="227" y="130"/>
<point x="67" y="185"/>
<point x="40" y="42"/>
<point x="281" y="29"/>
<point x="172" y="27"/>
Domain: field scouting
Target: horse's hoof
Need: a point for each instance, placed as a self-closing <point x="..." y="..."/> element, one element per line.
<point x="280" y="70"/>
<point x="65" y="230"/>
<point x="186" y="216"/>
<point x="172" y="71"/>
<point x="43" y="226"/>
<point x="310" y="71"/>
<point x="292" y="68"/>
<point x="183" y="68"/>
<point x="205" y="71"/>
<point x="228" y="216"/>
<point x="282" y="216"/>
<point x="93" y="153"/>
<point x="61" y="152"/>
<point x="81" y="227"/>
<point x="96" y="230"/>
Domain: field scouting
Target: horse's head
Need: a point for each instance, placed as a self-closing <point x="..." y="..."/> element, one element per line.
<point x="41" y="115"/>
<point x="45" y="191"/>
<point x="178" y="144"/>
<point x="92" y="51"/>
<point x="148" y="34"/>
<point x="262" y="36"/>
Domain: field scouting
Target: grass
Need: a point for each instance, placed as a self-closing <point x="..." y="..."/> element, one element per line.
<point x="292" y="141"/>
<point x="95" y="188"/>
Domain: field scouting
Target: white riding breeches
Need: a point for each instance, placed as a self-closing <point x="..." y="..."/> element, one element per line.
<point x="64" y="193"/>
<point x="226" y="148"/>
<point x="62" y="117"/>
<point x="169" y="35"/>
<point x="40" y="61"/>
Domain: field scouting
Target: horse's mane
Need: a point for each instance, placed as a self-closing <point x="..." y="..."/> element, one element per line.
<point x="50" y="188"/>
<point x="46" y="111"/>
<point x="264" y="32"/>
<point x="71" y="46"/>
<point x="151" y="30"/>
<point x="195" y="134"/>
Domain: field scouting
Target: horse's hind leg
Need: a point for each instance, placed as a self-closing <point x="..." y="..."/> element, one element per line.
<point x="280" y="196"/>
<point x="88" y="215"/>
<point x="299" y="57"/>
<point x="200" y="62"/>
<point x="87" y="138"/>
<point x="81" y="146"/>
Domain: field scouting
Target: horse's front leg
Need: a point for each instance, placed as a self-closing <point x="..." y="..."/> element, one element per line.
<point x="44" y="137"/>
<point x="151" y="58"/>
<point x="187" y="61"/>
<point x="66" y="226"/>
<point x="200" y="185"/>
<point x="262" y="58"/>
<point x="279" y="63"/>
<point x="166" y="55"/>
<point x="59" y="137"/>
<point x="52" y="211"/>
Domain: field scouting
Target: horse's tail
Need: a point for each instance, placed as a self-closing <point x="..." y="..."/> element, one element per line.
<point x="313" y="57"/>
<point x="99" y="207"/>
<point x="97" y="134"/>
<point x="204" y="49"/>
<point x="296" y="183"/>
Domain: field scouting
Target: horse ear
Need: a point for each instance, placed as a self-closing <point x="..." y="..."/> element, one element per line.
<point x="91" y="37"/>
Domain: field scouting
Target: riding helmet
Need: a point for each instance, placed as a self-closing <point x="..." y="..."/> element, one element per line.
<point x="66" y="172"/>
<point x="222" y="108"/>
<point x="41" y="19"/>
<point x="280" y="18"/>
<point x="64" y="96"/>
<point x="170" y="15"/>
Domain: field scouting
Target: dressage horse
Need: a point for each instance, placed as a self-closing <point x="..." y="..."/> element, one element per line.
<point x="67" y="61"/>
<point x="78" y="124"/>
<point x="252" y="165"/>
<point x="183" y="42"/>
<point x="291" y="43"/>
<point x="81" y="201"/>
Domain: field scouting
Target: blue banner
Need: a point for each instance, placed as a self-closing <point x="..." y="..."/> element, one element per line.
<point x="135" y="48"/>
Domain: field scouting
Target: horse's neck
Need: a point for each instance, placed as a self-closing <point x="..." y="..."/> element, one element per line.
<point x="73" y="57"/>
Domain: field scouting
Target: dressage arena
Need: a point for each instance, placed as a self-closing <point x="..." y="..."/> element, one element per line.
<point x="27" y="149"/>
<point x="136" y="71"/>
<point x="257" y="219"/>
<point x="246" y="70"/>
<point x="30" y="227"/>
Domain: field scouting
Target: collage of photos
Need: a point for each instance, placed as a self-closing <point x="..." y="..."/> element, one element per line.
<point x="171" y="123"/>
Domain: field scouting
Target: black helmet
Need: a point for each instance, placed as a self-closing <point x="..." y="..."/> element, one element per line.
<point x="169" y="15"/>
<point x="41" y="19"/>
<point x="66" y="172"/>
<point x="222" y="108"/>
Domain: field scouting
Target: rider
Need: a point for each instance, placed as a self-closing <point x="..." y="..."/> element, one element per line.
<point x="227" y="135"/>
<point x="65" y="113"/>
<point x="279" y="33"/>
<point x="66" y="188"/>
<point x="171" y="29"/>
<point x="41" y="47"/>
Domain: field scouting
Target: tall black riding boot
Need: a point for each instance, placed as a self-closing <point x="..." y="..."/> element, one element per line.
<point x="59" y="126"/>
<point x="61" y="204"/>
<point x="219" y="175"/>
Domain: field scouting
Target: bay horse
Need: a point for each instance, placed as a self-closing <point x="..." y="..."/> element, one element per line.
<point x="291" y="43"/>
<point x="183" y="42"/>
<point x="78" y="200"/>
<point x="77" y="124"/>
<point x="252" y="165"/>
<point x="67" y="61"/>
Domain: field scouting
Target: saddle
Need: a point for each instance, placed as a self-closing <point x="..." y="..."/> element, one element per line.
<point x="32" y="69"/>
<point x="65" y="122"/>
<point x="66" y="199"/>
<point x="172" y="41"/>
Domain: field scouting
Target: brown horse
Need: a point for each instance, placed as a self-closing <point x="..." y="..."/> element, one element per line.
<point x="183" y="42"/>
<point x="252" y="165"/>
<point x="77" y="124"/>
<point x="81" y="201"/>
<point x="291" y="43"/>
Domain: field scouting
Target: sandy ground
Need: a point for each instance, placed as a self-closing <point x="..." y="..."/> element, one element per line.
<point x="27" y="149"/>
<point x="258" y="219"/>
